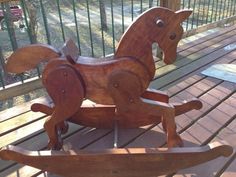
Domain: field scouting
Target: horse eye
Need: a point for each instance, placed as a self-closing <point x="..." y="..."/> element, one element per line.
<point x="172" y="36"/>
<point x="160" y="23"/>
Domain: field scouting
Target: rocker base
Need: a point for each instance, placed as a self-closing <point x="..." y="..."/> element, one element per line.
<point x="125" y="162"/>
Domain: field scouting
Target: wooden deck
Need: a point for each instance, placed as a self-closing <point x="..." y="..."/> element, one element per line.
<point x="182" y="80"/>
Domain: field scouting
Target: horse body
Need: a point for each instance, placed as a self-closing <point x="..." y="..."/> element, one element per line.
<point x="96" y="82"/>
<point x="95" y="75"/>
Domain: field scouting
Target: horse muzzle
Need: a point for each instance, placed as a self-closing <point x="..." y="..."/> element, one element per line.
<point x="169" y="56"/>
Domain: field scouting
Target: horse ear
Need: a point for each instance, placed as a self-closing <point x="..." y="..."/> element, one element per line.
<point x="183" y="14"/>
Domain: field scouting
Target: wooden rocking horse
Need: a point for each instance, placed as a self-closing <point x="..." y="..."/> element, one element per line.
<point x="119" y="86"/>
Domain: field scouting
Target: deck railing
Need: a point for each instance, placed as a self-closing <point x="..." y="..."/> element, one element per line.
<point x="95" y="25"/>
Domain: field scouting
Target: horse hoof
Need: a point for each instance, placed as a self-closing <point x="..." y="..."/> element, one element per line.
<point x="55" y="145"/>
<point x="175" y="142"/>
<point x="63" y="127"/>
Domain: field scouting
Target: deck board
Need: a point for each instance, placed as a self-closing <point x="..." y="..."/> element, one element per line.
<point x="206" y="38"/>
<point x="21" y="109"/>
<point x="182" y="80"/>
<point x="192" y="52"/>
<point x="215" y="167"/>
<point x="178" y="73"/>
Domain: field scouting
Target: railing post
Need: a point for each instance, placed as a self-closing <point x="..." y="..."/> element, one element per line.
<point x="171" y="4"/>
<point x="10" y="26"/>
<point x="2" y="69"/>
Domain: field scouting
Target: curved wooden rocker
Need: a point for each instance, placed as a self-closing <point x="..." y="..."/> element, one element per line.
<point x="126" y="162"/>
<point x="119" y="86"/>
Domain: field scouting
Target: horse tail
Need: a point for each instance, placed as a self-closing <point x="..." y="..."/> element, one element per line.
<point x="28" y="57"/>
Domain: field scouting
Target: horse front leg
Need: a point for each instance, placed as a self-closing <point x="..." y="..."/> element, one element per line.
<point x="126" y="91"/>
<point x="180" y="108"/>
<point x="167" y="112"/>
<point x="168" y="121"/>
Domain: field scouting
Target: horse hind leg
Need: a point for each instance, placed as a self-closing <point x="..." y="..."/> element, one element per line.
<point x="38" y="107"/>
<point x="65" y="86"/>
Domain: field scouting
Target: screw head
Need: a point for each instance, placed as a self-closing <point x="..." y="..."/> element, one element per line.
<point x="172" y="36"/>
<point x="131" y="100"/>
<point x="160" y="23"/>
<point x="116" y="85"/>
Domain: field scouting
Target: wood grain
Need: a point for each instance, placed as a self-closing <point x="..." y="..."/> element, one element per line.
<point x="136" y="162"/>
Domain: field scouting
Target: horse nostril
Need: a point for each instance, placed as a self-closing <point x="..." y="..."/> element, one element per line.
<point x="160" y="23"/>
<point x="172" y="36"/>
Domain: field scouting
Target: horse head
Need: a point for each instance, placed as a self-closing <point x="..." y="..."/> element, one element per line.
<point x="166" y="30"/>
<point x="156" y="25"/>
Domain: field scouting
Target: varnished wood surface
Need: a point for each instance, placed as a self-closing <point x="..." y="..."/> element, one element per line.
<point x="120" y="82"/>
<point x="26" y="60"/>
<point x="125" y="162"/>
<point x="216" y="121"/>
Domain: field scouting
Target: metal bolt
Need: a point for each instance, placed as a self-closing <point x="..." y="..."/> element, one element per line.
<point x="116" y="85"/>
<point x="160" y="23"/>
<point x="115" y="172"/>
<point x="63" y="91"/>
<point x="172" y="36"/>
<point x="131" y="100"/>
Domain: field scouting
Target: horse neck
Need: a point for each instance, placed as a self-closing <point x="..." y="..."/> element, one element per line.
<point x="137" y="44"/>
